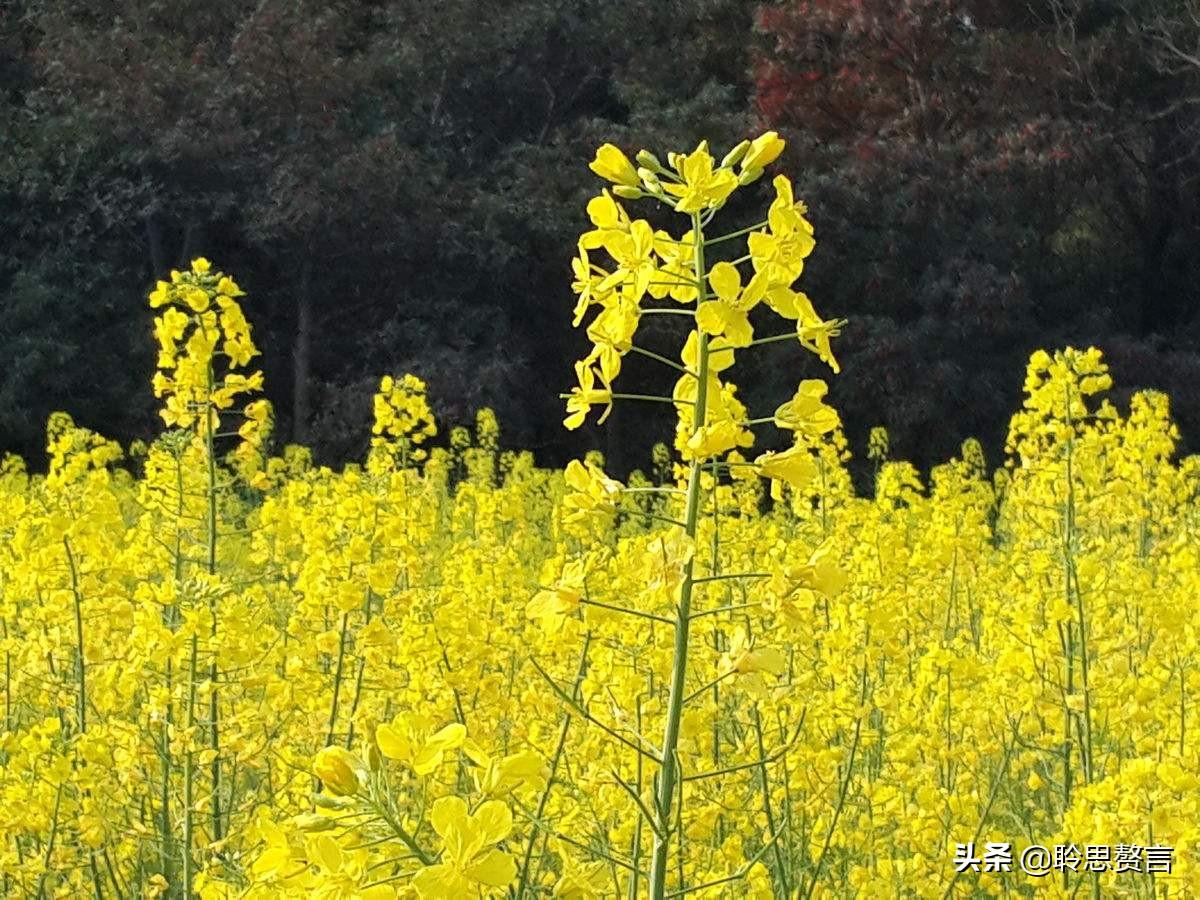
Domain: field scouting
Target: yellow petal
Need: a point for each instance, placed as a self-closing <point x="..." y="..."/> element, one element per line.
<point x="392" y="743"/>
<point x="712" y="316"/>
<point x="496" y="869"/>
<point x="726" y="281"/>
<point x="449" y="738"/>
<point x="427" y="759"/>
<point x="448" y="813"/>
<point x="494" y="821"/>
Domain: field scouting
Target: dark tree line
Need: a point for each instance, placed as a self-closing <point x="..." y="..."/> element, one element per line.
<point x="398" y="186"/>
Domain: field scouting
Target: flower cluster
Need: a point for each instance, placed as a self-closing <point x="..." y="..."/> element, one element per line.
<point x="462" y="675"/>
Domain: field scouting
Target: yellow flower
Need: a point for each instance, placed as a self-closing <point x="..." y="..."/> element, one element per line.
<point x="552" y="604"/>
<point x="503" y="776"/>
<point x="763" y="151"/>
<point x="405" y="740"/>
<point x="750" y="664"/>
<point x="634" y="252"/>
<point x="805" y="412"/>
<point x="585" y="396"/>
<point x="338" y="770"/>
<point x="591" y="492"/>
<point x="470" y="861"/>
<point x="781" y="249"/>
<point x="161" y="295"/>
<point x="584" y="881"/>
<point x="610" y="163"/>
<point x="794" y="466"/>
<point x="703" y="187"/>
<point x="195" y="297"/>
<point x="743" y="657"/>
<point x="814" y="334"/>
<point x="717" y="437"/>
<point x="727" y="315"/>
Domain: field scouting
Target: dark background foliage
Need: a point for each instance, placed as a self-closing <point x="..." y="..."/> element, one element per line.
<point x="398" y="186"/>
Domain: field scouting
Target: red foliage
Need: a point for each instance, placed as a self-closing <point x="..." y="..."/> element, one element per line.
<point x="862" y="71"/>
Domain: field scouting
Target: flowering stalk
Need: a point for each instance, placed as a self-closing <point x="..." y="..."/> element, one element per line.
<point x="712" y="423"/>
<point x="668" y="772"/>
<point x="202" y="319"/>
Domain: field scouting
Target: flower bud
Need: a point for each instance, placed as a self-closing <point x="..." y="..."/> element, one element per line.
<point x="648" y="160"/>
<point x="732" y="157"/>
<point x="649" y="179"/>
<point x="374" y="758"/>
<point x="748" y="176"/>
<point x="763" y="151"/>
<point x="612" y="164"/>
<point x="325" y="801"/>
<point x="338" y="770"/>
<point x="627" y="192"/>
<point x="313" y="822"/>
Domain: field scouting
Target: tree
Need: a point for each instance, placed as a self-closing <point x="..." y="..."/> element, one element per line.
<point x="963" y="158"/>
<point x="392" y="179"/>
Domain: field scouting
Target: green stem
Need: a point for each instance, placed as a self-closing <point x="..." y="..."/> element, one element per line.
<point x="1072" y="586"/>
<point x="668" y="773"/>
<point x="523" y="880"/>
<point x="81" y="700"/>
<point x="636" y="855"/>
<point x="842" y="792"/>
<point x="189" y="778"/>
<point x="791" y="336"/>
<point x="658" y="357"/>
<point x="765" y="785"/>
<point x="41" y="887"/>
<point x="405" y="838"/>
<point x="337" y="682"/>
<point x="736" y="234"/>
<point x="210" y="414"/>
<point x="625" y="610"/>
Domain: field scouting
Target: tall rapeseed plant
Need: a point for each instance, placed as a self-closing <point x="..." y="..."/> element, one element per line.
<point x="204" y="342"/>
<point x="657" y="273"/>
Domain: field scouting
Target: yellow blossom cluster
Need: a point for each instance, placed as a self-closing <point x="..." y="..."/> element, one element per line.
<point x="461" y="675"/>
<point x="403" y="422"/>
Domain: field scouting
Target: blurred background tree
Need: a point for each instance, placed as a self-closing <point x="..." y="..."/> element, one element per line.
<point x="396" y="184"/>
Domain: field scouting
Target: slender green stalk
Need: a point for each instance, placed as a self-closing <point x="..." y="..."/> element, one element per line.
<point x="81" y="678"/>
<point x="572" y="704"/>
<point x="842" y="791"/>
<point x="736" y="234"/>
<point x="189" y="778"/>
<point x="737" y="876"/>
<point x="668" y="773"/>
<point x="46" y="860"/>
<point x="358" y="679"/>
<point x="627" y="610"/>
<point x="789" y="336"/>
<point x="8" y="719"/>
<point x="214" y="707"/>
<point x="80" y="675"/>
<point x="636" y="855"/>
<point x="1073" y="591"/>
<point x="765" y="785"/>
<point x="170" y="617"/>
<point x="987" y="808"/>
<point x="337" y="681"/>
<point x="523" y="878"/>
<point x="658" y="357"/>
<point x="402" y="833"/>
